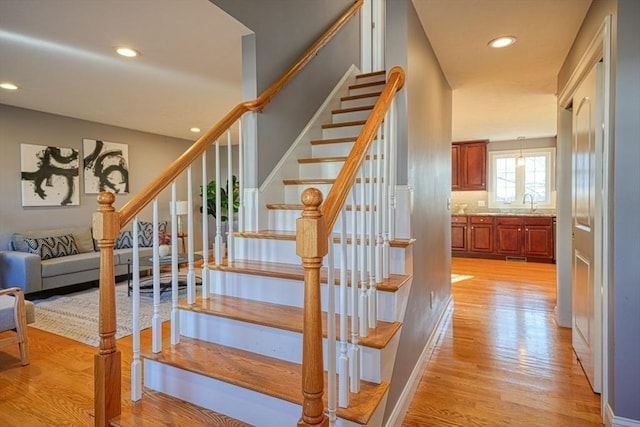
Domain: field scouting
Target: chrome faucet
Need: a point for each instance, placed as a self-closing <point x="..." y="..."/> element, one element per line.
<point x="524" y="200"/>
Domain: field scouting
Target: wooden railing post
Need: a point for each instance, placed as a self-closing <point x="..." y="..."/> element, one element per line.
<point x="312" y="246"/>
<point x="107" y="377"/>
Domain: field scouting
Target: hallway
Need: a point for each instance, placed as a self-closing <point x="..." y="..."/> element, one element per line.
<point x="502" y="360"/>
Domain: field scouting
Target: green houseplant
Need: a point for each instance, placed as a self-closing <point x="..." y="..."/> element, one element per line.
<point x="224" y="200"/>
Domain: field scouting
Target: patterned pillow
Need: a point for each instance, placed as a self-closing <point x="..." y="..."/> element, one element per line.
<point x="52" y="247"/>
<point x="145" y="235"/>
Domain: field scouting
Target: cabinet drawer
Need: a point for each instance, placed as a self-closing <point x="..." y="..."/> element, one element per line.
<point x="481" y="219"/>
<point x="538" y="220"/>
<point x="508" y="220"/>
<point x="458" y="219"/>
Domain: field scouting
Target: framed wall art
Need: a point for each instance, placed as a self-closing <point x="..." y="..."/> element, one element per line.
<point x="49" y="175"/>
<point x="106" y="166"/>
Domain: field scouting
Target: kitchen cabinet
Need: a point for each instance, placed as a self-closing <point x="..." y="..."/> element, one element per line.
<point x="469" y="165"/>
<point x="481" y="234"/>
<point x="503" y="236"/>
<point x="459" y="233"/>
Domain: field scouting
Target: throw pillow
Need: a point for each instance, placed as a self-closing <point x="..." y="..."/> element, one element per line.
<point x="52" y="247"/>
<point x="125" y="240"/>
<point x="145" y="237"/>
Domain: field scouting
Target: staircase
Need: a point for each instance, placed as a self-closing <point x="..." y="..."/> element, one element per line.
<point x="240" y="347"/>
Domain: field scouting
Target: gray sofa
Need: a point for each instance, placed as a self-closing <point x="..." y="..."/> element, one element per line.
<point x="39" y="260"/>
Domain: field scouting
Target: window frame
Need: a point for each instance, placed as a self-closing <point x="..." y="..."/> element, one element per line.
<point x="548" y="152"/>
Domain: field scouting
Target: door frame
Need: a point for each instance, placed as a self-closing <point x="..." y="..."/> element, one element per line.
<point x="598" y="50"/>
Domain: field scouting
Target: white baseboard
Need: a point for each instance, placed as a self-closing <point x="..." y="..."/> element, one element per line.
<point x="610" y="420"/>
<point x="402" y="405"/>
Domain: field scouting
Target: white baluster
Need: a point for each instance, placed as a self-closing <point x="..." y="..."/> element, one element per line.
<point x="343" y="366"/>
<point x="392" y="172"/>
<point x="136" y="365"/>
<point x="218" y="239"/>
<point x="331" y="335"/>
<point x="230" y="209"/>
<point x="384" y="208"/>
<point x="156" y="322"/>
<point x="191" y="273"/>
<point x="370" y="208"/>
<point x="355" y="335"/>
<point x="175" y="317"/>
<point x="205" y="231"/>
<point x="364" y="303"/>
<point x="241" y="219"/>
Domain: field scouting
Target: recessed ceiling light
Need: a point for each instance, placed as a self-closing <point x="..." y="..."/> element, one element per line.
<point x="9" y="86"/>
<point x="127" y="52"/>
<point x="502" y="42"/>
<point x="195" y="130"/>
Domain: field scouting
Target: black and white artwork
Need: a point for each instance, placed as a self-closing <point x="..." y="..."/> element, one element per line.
<point x="49" y="175"/>
<point x="106" y="166"/>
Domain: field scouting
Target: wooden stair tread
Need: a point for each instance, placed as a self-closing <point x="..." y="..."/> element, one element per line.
<point x="308" y="181"/>
<point x="161" y="410"/>
<point x="267" y="375"/>
<point x="369" y="84"/>
<point x="299" y="207"/>
<point x="291" y="235"/>
<point x="361" y="96"/>
<point x="283" y="317"/>
<point x="306" y="160"/>
<point x="343" y="124"/>
<point x="296" y="272"/>
<point x="352" y="109"/>
<point x="371" y="74"/>
<point x="333" y="140"/>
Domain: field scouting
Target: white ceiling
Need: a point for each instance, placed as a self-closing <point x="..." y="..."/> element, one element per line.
<point x="61" y="54"/>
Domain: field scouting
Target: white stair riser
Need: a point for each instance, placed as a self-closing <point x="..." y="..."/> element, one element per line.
<point x="366" y="89"/>
<point x="336" y="149"/>
<point x="293" y="192"/>
<point x="246" y="405"/>
<point x="237" y="402"/>
<point x="341" y="132"/>
<point x="290" y="292"/>
<point x="319" y="169"/>
<point x="285" y="220"/>
<point x="278" y="343"/>
<point x="370" y="79"/>
<point x="358" y="102"/>
<point x="352" y="115"/>
<point x="273" y="250"/>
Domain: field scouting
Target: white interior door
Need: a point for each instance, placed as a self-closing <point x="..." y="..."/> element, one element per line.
<point x="586" y="214"/>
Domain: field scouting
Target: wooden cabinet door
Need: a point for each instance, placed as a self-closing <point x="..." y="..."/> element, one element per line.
<point x="481" y="234"/>
<point x="459" y="237"/>
<point x="474" y="165"/>
<point x="538" y="237"/>
<point x="455" y="167"/>
<point x="509" y="236"/>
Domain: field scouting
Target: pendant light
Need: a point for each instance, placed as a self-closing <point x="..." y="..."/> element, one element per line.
<point x="520" y="159"/>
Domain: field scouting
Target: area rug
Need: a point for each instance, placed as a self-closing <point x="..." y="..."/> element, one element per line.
<point x="75" y="315"/>
<point x="459" y="277"/>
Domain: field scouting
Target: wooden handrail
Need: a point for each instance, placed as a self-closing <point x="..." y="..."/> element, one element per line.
<point x="346" y="178"/>
<point x="138" y="202"/>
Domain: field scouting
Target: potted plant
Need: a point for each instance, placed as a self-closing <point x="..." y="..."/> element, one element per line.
<point x="224" y="200"/>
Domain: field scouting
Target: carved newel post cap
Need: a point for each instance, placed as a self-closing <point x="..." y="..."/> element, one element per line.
<point x="311" y="199"/>
<point x="105" y="200"/>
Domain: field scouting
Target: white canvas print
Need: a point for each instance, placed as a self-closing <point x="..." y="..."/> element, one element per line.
<point x="49" y="175"/>
<point x="106" y="166"/>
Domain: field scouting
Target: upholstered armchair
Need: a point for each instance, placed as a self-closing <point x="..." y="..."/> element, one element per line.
<point x="15" y="313"/>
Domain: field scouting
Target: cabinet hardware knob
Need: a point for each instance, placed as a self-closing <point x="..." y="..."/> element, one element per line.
<point x="519" y="229"/>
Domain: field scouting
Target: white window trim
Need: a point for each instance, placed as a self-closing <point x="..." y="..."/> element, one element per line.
<point x="550" y="152"/>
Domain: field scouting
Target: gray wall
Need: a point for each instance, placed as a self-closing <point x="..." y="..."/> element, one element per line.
<point x="623" y="322"/>
<point x="148" y="155"/>
<point x="283" y="30"/>
<point x="426" y="120"/>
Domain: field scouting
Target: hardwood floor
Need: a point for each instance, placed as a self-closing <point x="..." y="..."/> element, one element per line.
<point x="502" y="360"/>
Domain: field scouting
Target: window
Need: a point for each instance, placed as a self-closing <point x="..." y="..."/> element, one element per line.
<point x="510" y="181"/>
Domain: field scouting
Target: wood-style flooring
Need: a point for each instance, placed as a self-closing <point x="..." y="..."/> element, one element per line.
<point x="502" y="360"/>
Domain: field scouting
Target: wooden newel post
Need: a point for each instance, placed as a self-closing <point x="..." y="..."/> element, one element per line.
<point x="107" y="390"/>
<point x="311" y="246"/>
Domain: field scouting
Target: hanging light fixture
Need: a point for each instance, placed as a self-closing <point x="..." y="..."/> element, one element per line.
<point x="520" y="159"/>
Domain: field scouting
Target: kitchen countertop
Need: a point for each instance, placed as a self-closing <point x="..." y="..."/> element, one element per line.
<point x="542" y="214"/>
